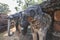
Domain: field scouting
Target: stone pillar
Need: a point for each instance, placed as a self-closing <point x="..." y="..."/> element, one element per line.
<point x="8" y="29"/>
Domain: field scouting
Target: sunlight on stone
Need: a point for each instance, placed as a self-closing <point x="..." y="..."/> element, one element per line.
<point x="12" y="30"/>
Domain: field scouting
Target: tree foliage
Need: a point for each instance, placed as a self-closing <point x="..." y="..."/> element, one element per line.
<point x="39" y="1"/>
<point x="4" y="8"/>
<point x="27" y="3"/>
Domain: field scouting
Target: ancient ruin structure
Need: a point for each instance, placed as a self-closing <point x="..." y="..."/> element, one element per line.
<point x="3" y="22"/>
<point x="44" y="20"/>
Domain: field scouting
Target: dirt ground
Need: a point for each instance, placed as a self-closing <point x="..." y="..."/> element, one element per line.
<point x="4" y="35"/>
<point x="15" y="36"/>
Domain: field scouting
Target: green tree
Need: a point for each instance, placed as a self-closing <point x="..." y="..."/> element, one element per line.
<point x="16" y="8"/>
<point x="27" y="3"/>
<point x="4" y="8"/>
<point x="40" y="1"/>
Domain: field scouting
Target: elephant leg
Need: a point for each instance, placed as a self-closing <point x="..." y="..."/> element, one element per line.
<point x="34" y="36"/>
<point x="9" y="25"/>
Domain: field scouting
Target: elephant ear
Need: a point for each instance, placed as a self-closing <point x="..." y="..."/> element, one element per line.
<point x="47" y="20"/>
<point x="44" y="21"/>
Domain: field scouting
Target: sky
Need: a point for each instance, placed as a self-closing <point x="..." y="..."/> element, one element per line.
<point x="12" y="4"/>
